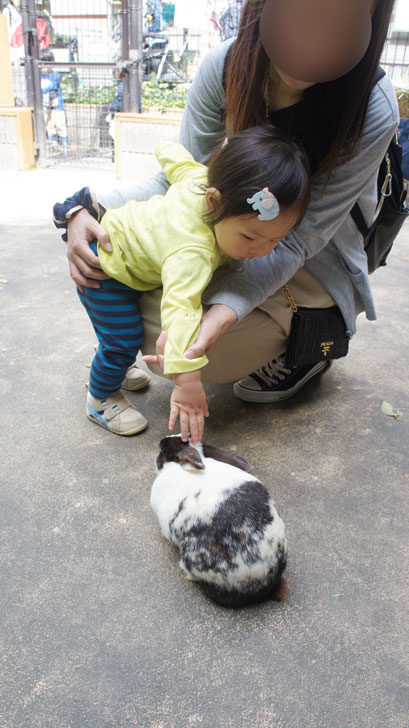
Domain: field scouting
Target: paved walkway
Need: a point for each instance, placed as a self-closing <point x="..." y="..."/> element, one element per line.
<point x="99" y="627"/>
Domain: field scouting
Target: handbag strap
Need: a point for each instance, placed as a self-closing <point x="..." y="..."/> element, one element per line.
<point x="356" y="212"/>
<point x="290" y="298"/>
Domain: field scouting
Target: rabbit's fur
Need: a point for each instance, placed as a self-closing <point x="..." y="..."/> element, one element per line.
<point x="230" y="536"/>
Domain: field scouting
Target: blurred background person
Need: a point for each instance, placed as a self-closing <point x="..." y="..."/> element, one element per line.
<point x="53" y="103"/>
<point x="153" y="16"/>
<point x="13" y="18"/>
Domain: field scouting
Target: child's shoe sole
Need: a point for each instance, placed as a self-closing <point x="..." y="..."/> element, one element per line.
<point x="108" y="426"/>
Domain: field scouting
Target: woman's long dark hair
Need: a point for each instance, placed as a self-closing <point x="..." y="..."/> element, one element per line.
<point x="338" y="108"/>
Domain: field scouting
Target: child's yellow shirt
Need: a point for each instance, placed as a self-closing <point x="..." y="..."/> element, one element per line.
<point x="164" y="241"/>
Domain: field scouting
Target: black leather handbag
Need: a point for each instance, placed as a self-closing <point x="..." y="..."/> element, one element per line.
<point x="317" y="334"/>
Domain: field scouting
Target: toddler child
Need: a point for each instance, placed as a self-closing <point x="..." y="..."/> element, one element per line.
<point x="255" y="189"/>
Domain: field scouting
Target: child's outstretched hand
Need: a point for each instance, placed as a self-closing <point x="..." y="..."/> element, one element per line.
<point x="188" y="402"/>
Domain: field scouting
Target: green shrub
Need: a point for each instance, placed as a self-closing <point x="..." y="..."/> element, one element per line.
<point x="74" y="93"/>
<point x="160" y="96"/>
<point x="163" y="96"/>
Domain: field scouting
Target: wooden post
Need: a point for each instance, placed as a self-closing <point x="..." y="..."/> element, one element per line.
<point x="16" y="137"/>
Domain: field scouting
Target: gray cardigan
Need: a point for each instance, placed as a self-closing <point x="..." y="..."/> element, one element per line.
<point x="326" y="242"/>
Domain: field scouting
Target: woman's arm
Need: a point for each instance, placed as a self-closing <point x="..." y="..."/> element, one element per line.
<point x="214" y="324"/>
<point x="203" y="128"/>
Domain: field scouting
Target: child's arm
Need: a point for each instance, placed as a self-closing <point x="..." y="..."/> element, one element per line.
<point x="188" y="402"/>
<point x="185" y="275"/>
<point x="178" y="164"/>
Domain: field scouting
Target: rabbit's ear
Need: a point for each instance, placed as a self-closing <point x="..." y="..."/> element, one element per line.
<point x="190" y="457"/>
<point x="226" y="456"/>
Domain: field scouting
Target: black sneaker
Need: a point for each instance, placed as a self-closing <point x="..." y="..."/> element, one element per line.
<point x="274" y="381"/>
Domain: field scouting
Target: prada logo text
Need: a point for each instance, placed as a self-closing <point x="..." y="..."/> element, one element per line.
<point x="326" y="347"/>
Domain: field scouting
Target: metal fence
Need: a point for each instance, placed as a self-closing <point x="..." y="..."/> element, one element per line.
<point x="78" y="61"/>
<point x="92" y="58"/>
<point x="395" y="58"/>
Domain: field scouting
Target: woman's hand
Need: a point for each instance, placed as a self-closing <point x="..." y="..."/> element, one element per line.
<point x="188" y="402"/>
<point x="215" y="322"/>
<point x="85" y="268"/>
<point x="159" y="357"/>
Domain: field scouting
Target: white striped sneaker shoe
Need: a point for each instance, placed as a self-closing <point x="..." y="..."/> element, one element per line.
<point x="116" y="414"/>
<point x="135" y="378"/>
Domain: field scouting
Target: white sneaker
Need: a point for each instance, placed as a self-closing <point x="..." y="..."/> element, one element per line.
<point x="116" y="414"/>
<point x="135" y="378"/>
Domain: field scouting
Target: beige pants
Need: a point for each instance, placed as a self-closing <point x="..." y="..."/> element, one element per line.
<point x="252" y="342"/>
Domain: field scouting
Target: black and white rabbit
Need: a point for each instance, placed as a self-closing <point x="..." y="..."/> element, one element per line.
<point x="230" y="536"/>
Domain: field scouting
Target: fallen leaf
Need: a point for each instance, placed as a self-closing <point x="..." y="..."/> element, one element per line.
<point x="387" y="409"/>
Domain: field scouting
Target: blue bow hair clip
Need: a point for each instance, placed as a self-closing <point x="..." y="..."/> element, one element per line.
<point x="266" y="203"/>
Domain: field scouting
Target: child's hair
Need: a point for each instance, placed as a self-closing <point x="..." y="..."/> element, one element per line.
<point x="262" y="156"/>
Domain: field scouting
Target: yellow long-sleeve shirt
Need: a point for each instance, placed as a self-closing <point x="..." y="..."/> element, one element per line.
<point x="164" y="241"/>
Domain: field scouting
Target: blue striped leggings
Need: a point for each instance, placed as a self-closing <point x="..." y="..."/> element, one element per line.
<point x="114" y="313"/>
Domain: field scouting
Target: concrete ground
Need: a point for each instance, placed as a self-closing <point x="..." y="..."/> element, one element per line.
<point x="99" y="627"/>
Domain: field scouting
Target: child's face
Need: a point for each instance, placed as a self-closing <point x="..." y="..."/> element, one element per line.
<point x="245" y="236"/>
